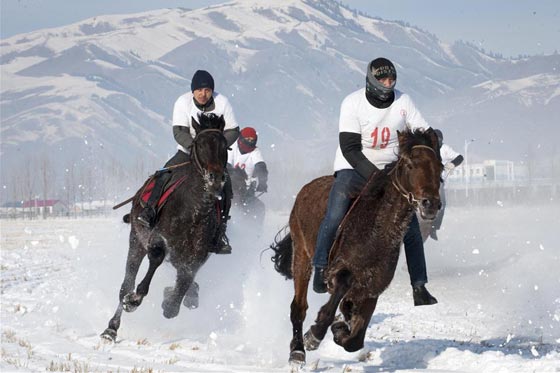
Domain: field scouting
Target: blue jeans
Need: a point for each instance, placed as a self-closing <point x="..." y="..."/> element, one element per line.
<point x="346" y="187"/>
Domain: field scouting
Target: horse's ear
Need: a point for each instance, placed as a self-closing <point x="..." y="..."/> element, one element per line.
<point x="222" y="123"/>
<point x="195" y="125"/>
<point x="401" y="136"/>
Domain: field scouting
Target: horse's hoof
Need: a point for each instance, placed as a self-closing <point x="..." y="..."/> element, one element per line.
<point x="191" y="298"/>
<point x="340" y="330"/>
<point x="131" y="302"/>
<point x="191" y="302"/>
<point x="310" y="342"/>
<point x="297" y="359"/>
<point x="109" y="335"/>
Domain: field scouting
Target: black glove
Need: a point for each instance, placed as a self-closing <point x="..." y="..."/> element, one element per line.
<point x="262" y="187"/>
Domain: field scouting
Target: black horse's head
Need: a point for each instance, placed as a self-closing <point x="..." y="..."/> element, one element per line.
<point x="418" y="172"/>
<point x="209" y="149"/>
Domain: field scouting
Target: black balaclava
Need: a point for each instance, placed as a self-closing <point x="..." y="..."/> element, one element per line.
<point x="376" y="93"/>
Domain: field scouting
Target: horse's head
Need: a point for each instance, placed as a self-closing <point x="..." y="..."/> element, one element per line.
<point x="209" y="150"/>
<point x="418" y="171"/>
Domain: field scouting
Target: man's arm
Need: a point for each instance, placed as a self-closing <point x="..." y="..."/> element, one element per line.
<point x="351" y="146"/>
<point x="231" y="135"/>
<point x="261" y="173"/>
<point x="183" y="136"/>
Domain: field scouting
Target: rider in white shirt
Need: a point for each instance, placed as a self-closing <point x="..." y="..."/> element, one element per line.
<point x="201" y="100"/>
<point x="245" y="154"/>
<point x="368" y="141"/>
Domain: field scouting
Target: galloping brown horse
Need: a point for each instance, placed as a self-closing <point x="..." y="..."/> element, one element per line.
<point x="364" y="256"/>
<point x="185" y="231"/>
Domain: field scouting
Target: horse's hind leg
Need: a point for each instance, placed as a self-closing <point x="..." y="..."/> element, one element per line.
<point x="174" y="295"/>
<point x="133" y="261"/>
<point x="156" y="254"/>
<point x="326" y="314"/>
<point x="350" y="334"/>
<point x="301" y="274"/>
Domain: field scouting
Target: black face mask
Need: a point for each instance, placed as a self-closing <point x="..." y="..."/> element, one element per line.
<point x="378" y="95"/>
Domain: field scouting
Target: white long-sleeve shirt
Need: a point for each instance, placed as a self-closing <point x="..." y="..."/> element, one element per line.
<point x="185" y="109"/>
<point x="378" y="127"/>
<point x="245" y="161"/>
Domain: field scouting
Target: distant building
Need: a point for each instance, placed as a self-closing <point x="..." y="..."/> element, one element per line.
<point x="36" y="207"/>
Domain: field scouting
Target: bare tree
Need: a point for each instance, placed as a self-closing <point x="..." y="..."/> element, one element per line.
<point x="47" y="178"/>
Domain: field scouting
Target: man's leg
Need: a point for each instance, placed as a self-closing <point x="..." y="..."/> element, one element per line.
<point x="436" y="225"/>
<point x="416" y="262"/>
<point x="347" y="185"/>
<point x="222" y="244"/>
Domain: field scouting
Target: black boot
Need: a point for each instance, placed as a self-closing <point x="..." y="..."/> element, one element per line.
<point x="433" y="234"/>
<point x="222" y="242"/>
<point x="319" y="284"/>
<point x="147" y="217"/>
<point x="422" y="296"/>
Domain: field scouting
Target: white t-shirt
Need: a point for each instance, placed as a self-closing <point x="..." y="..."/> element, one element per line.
<point x="378" y="127"/>
<point x="185" y="109"/>
<point x="245" y="161"/>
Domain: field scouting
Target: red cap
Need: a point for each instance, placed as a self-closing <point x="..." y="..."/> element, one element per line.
<point x="247" y="140"/>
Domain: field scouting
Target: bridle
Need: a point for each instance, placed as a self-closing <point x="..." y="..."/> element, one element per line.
<point x="395" y="179"/>
<point x="194" y="152"/>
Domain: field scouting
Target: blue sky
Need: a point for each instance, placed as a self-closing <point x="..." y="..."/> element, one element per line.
<point x="510" y="27"/>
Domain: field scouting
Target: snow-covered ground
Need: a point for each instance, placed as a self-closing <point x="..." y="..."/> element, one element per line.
<point x="494" y="271"/>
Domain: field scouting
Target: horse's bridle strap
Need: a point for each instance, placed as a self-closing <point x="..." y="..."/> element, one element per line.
<point x="409" y="196"/>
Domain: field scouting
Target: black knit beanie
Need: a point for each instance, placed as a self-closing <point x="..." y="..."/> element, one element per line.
<point x="202" y="79"/>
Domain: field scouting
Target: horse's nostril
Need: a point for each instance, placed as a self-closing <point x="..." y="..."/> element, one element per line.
<point x="426" y="203"/>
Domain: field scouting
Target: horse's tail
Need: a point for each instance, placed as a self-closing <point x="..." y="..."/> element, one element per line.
<point x="283" y="253"/>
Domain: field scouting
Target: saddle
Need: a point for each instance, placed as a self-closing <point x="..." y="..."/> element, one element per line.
<point x="174" y="182"/>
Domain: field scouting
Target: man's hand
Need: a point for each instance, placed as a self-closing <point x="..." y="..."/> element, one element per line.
<point x="449" y="166"/>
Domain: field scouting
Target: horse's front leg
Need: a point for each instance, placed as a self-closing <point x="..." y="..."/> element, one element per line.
<point x="156" y="255"/>
<point x="135" y="256"/>
<point x="350" y="333"/>
<point x="326" y="314"/>
<point x="174" y="295"/>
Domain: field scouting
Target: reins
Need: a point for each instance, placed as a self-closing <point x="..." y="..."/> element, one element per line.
<point x="397" y="184"/>
<point x="197" y="163"/>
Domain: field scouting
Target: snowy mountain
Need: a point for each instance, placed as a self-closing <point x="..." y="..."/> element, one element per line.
<point x="98" y="94"/>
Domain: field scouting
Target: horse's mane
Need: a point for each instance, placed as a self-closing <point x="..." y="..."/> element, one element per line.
<point x="415" y="137"/>
<point x="210" y="121"/>
<point x="411" y="138"/>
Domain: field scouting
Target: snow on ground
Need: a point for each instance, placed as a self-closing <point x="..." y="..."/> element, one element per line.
<point x="494" y="271"/>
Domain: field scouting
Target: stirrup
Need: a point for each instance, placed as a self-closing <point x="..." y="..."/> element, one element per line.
<point x="223" y="246"/>
<point x="147" y="217"/>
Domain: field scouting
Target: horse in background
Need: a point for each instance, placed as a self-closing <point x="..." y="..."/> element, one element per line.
<point x="364" y="256"/>
<point x="186" y="229"/>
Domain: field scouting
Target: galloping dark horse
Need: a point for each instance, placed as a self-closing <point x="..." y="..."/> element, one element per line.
<point x="364" y="256"/>
<point x="186" y="229"/>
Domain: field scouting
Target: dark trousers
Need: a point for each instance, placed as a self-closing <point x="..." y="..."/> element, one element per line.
<point x="439" y="217"/>
<point x="346" y="187"/>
